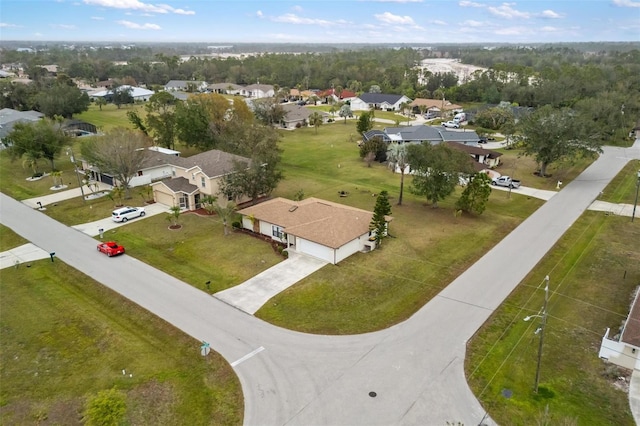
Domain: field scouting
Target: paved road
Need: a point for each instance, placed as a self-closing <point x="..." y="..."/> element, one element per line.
<point x="415" y="368"/>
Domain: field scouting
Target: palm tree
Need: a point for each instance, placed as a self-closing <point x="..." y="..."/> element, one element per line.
<point x="315" y="120"/>
<point x="174" y="216"/>
<point x="100" y="102"/>
<point x="225" y="214"/>
<point x="209" y="203"/>
<point x="397" y="155"/>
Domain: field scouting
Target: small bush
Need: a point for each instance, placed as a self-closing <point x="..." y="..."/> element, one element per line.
<point x="236" y="225"/>
<point x="298" y="125"/>
<point x="37" y="175"/>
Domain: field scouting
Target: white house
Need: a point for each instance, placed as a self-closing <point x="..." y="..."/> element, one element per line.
<point x="257" y="91"/>
<point x="624" y="350"/>
<point x="137" y="93"/>
<point x="185" y="86"/>
<point x="382" y="101"/>
<point x="314" y="227"/>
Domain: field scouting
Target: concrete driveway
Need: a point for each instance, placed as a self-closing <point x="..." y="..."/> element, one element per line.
<point x="25" y="253"/>
<point x="255" y="292"/>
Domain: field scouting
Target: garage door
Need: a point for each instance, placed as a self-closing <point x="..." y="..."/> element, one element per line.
<point x="314" y="249"/>
<point x="162" y="198"/>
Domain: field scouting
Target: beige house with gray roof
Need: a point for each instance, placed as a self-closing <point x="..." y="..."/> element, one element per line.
<point x="195" y="177"/>
<point x="319" y="228"/>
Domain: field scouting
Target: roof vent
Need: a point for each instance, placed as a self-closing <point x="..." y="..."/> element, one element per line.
<point x="293" y="208"/>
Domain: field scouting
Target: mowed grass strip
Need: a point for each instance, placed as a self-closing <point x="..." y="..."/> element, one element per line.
<point x="64" y="340"/>
<point x="9" y="239"/>
<point x="593" y="272"/>
<point x="110" y="115"/>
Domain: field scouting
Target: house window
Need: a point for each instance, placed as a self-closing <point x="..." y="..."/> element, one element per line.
<point x="276" y="231"/>
<point x="193" y="177"/>
<point x="202" y="182"/>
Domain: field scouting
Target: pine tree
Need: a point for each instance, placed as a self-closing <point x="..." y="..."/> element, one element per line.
<point x="378" y="222"/>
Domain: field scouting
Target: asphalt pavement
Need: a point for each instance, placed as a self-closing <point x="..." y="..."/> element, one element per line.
<point x="412" y="373"/>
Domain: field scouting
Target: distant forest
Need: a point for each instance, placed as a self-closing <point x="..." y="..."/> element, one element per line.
<point x="606" y="74"/>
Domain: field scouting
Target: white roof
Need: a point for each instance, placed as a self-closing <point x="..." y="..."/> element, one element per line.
<point x="136" y="92"/>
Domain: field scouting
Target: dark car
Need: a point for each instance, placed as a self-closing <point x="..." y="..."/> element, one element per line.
<point x="483" y="139"/>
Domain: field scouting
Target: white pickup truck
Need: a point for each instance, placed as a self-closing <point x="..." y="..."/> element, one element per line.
<point x="506" y="181"/>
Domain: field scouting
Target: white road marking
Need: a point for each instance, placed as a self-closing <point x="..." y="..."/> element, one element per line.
<point x="247" y="356"/>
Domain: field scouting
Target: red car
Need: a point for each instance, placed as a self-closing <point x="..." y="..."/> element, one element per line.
<point x="110" y="248"/>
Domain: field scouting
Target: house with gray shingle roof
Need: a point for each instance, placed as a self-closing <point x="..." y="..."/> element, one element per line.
<point x="323" y="229"/>
<point x="9" y="117"/>
<point x="383" y="101"/>
<point x="419" y="134"/>
<point x="225" y="88"/>
<point x="296" y="114"/>
<point x="195" y="177"/>
<point x="257" y="91"/>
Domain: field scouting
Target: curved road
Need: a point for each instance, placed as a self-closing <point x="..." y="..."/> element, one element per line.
<point x="415" y="368"/>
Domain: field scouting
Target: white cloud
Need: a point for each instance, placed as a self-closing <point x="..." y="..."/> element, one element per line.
<point x="438" y="22"/>
<point x="297" y="9"/>
<point x="259" y="14"/>
<point x="390" y="18"/>
<point x="138" y="5"/>
<point x="513" y="31"/>
<point x="291" y="18"/>
<point x="550" y="14"/>
<point x="7" y="25"/>
<point x="135" y="26"/>
<point x="473" y="24"/>
<point x="470" y="4"/>
<point x="626" y="3"/>
<point x="506" y="11"/>
<point x="97" y="18"/>
<point x="63" y="26"/>
<point x="549" y="29"/>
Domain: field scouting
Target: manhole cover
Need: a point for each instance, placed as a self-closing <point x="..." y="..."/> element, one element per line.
<point x="373" y="394"/>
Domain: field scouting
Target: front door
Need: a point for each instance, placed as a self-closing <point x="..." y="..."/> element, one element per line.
<point x="184" y="202"/>
<point x="196" y="200"/>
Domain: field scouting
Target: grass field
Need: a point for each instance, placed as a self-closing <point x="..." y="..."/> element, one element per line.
<point x="110" y="116"/>
<point x="9" y="239"/>
<point x="64" y="340"/>
<point x="594" y="270"/>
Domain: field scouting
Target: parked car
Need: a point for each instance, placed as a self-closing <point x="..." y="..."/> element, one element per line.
<point x="506" y="181"/>
<point x="125" y="213"/>
<point x="451" y="124"/>
<point x="483" y="139"/>
<point x="110" y="248"/>
<point x="430" y="115"/>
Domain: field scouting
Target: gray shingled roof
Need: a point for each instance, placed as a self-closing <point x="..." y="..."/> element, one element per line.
<point x="9" y="117"/>
<point x="433" y="134"/>
<point x="182" y="84"/>
<point x="378" y="98"/>
<point x="180" y="184"/>
<point x="213" y="163"/>
<point x="294" y="112"/>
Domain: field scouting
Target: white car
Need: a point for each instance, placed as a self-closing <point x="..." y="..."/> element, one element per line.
<point x="451" y="124"/>
<point x="125" y="213"/>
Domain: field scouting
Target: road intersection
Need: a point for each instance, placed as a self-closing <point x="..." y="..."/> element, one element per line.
<point x="411" y="373"/>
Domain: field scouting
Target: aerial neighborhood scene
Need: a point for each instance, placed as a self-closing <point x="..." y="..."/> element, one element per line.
<point x="319" y="213"/>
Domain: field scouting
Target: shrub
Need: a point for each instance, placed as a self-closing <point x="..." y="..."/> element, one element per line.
<point x="298" y="125"/>
<point x="236" y="225"/>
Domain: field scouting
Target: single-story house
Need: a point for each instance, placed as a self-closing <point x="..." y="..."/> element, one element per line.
<point x="137" y="93"/>
<point x="314" y="227"/>
<point x="487" y="158"/>
<point x="623" y="349"/>
<point x="440" y="106"/>
<point x="386" y="102"/>
<point x="419" y="134"/>
<point x="225" y="88"/>
<point x="296" y="114"/>
<point x="331" y="93"/>
<point x="257" y="91"/>
<point x="9" y="117"/>
<point x="185" y="86"/>
<point x="195" y="177"/>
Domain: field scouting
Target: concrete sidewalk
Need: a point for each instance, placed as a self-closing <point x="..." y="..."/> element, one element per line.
<point x="255" y="292"/>
<point x="25" y="253"/>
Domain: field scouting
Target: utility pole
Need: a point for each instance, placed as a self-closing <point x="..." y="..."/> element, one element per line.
<point x="544" y="323"/>
<point x="633" y="214"/>
<point x="75" y="166"/>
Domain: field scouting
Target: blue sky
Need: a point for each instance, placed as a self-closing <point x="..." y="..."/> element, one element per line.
<point x="321" y="21"/>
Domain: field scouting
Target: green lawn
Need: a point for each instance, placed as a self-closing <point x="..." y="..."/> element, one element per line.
<point x="110" y="116"/>
<point x="64" y="340"/>
<point x="622" y="189"/>
<point x="9" y="239"/>
<point x="372" y="291"/>
<point x="593" y="273"/>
